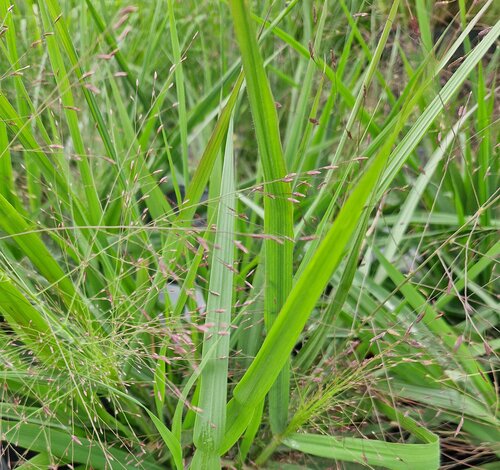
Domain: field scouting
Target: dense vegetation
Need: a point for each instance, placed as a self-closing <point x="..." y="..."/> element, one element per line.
<point x="249" y="234"/>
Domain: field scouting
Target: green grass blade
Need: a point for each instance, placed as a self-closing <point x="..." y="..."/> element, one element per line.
<point x="278" y="210"/>
<point x="181" y="93"/>
<point x="311" y="349"/>
<point x="203" y="171"/>
<point x="424" y="25"/>
<point x="38" y="462"/>
<point x="170" y="440"/>
<point x="6" y="175"/>
<point x="210" y="422"/>
<point x="442" y="398"/>
<point x="366" y="51"/>
<point x="373" y="452"/>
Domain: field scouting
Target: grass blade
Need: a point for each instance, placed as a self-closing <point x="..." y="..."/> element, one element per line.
<point x="210" y="422"/>
<point x="181" y="93"/>
<point x="373" y="452"/>
<point x="278" y="210"/>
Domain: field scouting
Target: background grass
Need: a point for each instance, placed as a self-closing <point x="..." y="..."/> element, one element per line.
<point x="249" y="234"/>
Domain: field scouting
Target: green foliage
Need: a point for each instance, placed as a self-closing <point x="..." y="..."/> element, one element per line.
<point x="248" y="234"/>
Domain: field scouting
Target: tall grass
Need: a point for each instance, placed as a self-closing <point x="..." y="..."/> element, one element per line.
<point x="248" y="234"/>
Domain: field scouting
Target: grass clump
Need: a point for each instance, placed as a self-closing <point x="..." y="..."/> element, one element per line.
<point x="248" y="235"/>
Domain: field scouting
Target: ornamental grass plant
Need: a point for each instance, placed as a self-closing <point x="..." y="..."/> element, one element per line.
<point x="249" y="234"/>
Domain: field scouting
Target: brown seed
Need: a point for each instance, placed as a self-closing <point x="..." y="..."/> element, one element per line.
<point x="458" y="343"/>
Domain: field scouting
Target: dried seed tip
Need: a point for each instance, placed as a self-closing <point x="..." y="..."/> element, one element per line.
<point x="459" y="427"/>
<point x="120" y="22"/>
<point x="92" y="88"/>
<point x="455" y="63"/>
<point x="420" y="317"/>
<point x="203" y="244"/>
<point x="128" y="10"/>
<point x="120" y="74"/>
<point x="458" y="343"/>
<point x="329" y="167"/>
<point x="311" y="50"/>
<point x="231" y="268"/>
<point x="240" y="246"/>
<point x="333" y="58"/>
<point x="484" y="32"/>
<point x="313" y="172"/>
<point x="107" y="56"/>
<point x="377" y="337"/>
<point x="415" y="344"/>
